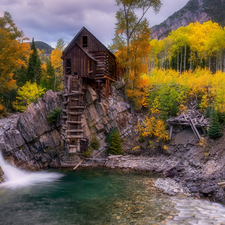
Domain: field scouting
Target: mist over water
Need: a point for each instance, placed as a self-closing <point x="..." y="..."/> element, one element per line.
<point x="17" y="178"/>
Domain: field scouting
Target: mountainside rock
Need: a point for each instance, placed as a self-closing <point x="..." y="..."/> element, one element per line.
<point x="28" y="139"/>
<point x="100" y="117"/>
<point x="193" y="11"/>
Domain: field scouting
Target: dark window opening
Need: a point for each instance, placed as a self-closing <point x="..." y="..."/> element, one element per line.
<point x="85" y="41"/>
<point x="68" y="66"/>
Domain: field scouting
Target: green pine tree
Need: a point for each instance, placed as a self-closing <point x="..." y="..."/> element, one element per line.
<point x="37" y="71"/>
<point x="207" y="112"/>
<point x="34" y="66"/>
<point x="215" y="130"/>
<point x="47" y="80"/>
<point x="20" y="76"/>
<point x="115" y="147"/>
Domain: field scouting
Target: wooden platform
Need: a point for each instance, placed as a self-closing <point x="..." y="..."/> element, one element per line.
<point x="193" y="119"/>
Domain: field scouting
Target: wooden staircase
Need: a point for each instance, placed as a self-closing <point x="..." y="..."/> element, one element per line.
<point x="73" y="100"/>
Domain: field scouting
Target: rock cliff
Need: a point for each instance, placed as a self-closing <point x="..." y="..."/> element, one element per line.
<point x="100" y="117"/>
<point x="28" y="140"/>
<point x="193" y="11"/>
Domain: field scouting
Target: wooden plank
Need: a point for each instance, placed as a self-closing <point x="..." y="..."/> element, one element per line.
<point x="74" y="93"/>
<point x="74" y="136"/>
<point x="76" y="107"/>
<point x="74" y="122"/>
<point x="74" y="131"/>
<point x="78" y="164"/>
<point x="195" y="130"/>
<point x="75" y="113"/>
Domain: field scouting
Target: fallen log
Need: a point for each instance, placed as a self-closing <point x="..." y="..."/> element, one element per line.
<point x="221" y="183"/>
<point x="78" y="164"/>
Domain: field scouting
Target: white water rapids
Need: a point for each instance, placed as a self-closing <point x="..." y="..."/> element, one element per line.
<point x="16" y="178"/>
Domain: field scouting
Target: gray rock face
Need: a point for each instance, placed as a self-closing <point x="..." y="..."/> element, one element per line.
<point x="100" y="117"/>
<point x="194" y="11"/>
<point x="29" y="138"/>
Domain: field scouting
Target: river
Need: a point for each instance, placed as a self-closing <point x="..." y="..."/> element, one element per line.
<point x="97" y="196"/>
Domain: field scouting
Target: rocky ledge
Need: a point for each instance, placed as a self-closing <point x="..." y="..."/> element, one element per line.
<point x="28" y="140"/>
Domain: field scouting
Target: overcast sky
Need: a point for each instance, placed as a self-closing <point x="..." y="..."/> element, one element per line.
<point x="49" y="20"/>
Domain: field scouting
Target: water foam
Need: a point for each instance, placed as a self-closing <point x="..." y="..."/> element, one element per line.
<point x="16" y="178"/>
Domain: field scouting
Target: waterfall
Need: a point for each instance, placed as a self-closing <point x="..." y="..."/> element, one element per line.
<point x="17" y="178"/>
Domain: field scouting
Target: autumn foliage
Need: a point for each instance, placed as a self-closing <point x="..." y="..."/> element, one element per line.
<point x="22" y="64"/>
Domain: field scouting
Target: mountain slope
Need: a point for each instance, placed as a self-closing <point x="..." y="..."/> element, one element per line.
<point x="193" y="11"/>
<point x="42" y="45"/>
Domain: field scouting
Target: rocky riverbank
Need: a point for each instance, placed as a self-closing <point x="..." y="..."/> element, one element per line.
<point x="29" y="141"/>
<point x="185" y="166"/>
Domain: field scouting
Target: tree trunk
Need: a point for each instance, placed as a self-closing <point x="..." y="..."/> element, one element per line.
<point x="209" y="62"/>
<point x="181" y="57"/>
<point x="185" y="55"/>
<point x="224" y="63"/>
<point x="217" y="62"/>
<point x="191" y="61"/>
<point x="178" y="60"/>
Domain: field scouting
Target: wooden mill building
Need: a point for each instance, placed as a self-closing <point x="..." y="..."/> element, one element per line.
<point x="86" y="61"/>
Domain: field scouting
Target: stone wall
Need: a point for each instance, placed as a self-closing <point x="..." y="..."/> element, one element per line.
<point x="28" y="140"/>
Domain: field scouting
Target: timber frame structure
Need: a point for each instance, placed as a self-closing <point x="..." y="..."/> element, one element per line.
<point x="86" y="61"/>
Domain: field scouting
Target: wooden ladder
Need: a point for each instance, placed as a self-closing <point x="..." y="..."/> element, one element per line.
<point x="73" y="109"/>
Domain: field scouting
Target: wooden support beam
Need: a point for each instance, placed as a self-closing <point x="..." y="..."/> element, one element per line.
<point x="195" y="130"/>
<point x="107" y="88"/>
<point x="171" y="132"/>
<point x="106" y="77"/>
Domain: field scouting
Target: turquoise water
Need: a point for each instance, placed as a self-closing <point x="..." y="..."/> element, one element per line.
<point x="99" y="197"/>
<point x="86" y="196"/>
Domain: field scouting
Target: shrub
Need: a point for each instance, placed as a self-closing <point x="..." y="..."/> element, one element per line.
<point x="115" y="144"/>
<point x="153" y="127"/>
<point x="87" y="153"/>
<point x="141" y="139"/>
<point x="53" y="115"/>
<point x="3" y="111"/>
<point x="95" y="144"/>
<point x="27" y="94"/>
